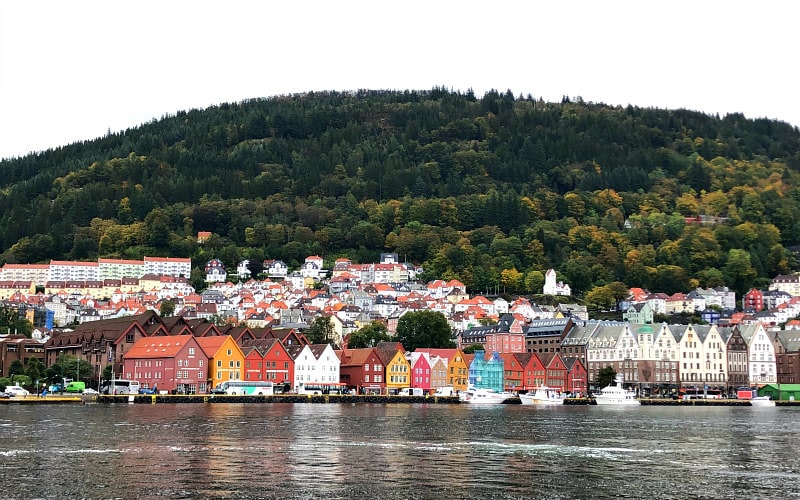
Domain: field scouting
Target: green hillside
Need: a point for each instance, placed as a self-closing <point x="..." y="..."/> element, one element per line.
<point x="491" y="190"/>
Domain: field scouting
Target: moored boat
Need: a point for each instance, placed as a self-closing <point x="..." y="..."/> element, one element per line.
<point x="762" y="401"/>
<point x="542" y="396"/>
<point x="616" y="395"/>
<point x="484" y="396"/>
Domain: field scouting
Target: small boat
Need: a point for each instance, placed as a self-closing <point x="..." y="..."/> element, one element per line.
<point x="762" y="401"/>
<point x="484" y="396"/>
<point x="542" y="396"/>
<point x="616" y="395"/>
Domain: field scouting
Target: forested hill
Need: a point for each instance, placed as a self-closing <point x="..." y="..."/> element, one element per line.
<point x="490" y="190"/>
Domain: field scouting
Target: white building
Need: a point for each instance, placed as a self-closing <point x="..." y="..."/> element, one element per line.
<point x="760" y="353"/>
<point x="116" y="269"/>
<point x="67" y="270"/>
<point x="314" y="363"/>
<point x="38" y="273"/>
<point x="553" y="287"/>
<point x="167" y="266"/>
<point x="703" y="357"/>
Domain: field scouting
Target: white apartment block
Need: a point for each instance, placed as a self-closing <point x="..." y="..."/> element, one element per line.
<point x="167" y="266"/>
<point x="66" y="270"/>
<point x="116" y="269"/>
<point x="37" y="273"/>
<point x="789" y="283"/>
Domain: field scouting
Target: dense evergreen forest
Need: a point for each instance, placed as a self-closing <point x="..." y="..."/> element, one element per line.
<point x="492" y="191"/>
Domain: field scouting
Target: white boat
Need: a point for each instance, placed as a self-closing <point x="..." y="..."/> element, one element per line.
<point x="542" y="396"/>
<point x="484" y="396"/>
<point x="762" y="401"/>
<point x="616" y="395"/>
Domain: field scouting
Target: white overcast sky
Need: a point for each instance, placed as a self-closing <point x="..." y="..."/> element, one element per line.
<point x="71" y="70"/>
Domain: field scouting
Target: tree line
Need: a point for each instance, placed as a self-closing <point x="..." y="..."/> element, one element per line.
<point x="492" y="191"/>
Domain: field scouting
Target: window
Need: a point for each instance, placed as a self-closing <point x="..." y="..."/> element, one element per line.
<point x="219" y="363"/>
<point x="191" y="351"/>
<point x="229" y="352"/>
<point x="200" y="363"/>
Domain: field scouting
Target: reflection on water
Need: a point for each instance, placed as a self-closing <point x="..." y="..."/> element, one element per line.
<point x="395" y="451"/>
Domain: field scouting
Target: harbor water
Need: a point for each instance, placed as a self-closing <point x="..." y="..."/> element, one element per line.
<point x="396" y="451"/>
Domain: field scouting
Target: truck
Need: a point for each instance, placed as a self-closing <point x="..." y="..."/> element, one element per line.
<point x="445" y="391"/>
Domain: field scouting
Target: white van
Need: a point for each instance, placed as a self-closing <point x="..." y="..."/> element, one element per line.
<point x="411" y="391"/>
<point x="445" y="391"/>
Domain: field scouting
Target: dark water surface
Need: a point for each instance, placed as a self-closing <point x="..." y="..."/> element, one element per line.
<point x="397" y="451"/>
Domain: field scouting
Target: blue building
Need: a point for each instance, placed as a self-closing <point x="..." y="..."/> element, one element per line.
<point x="486" y="374"/>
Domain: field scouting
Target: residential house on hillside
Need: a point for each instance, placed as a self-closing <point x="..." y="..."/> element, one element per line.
<point x="638" y="313"/>
<point x="576" y="311"/>
<point x="658" y="302"/>
<point x="753" y="300"/>
<point x="215" y="271"/>
<point x="789" y="283"/>
<point x="276" y="268"/>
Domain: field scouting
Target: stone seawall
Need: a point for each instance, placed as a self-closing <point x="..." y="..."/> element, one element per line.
<point x="278" y="398"/>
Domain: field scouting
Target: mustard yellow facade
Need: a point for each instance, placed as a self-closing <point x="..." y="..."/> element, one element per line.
<point x="398" y="373"/>
<point x="458" y="371"/>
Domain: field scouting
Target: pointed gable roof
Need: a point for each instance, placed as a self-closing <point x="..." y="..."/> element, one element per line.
<point x="159" y="347"/>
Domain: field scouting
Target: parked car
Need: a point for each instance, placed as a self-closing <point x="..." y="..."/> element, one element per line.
<point x="90" y="391"/>
<point x="16" y="391"/>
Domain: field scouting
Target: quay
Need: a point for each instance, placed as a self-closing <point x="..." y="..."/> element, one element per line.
<point x="277" y="398"/>
<point x="337" y="398"/>
<point x="43" y="400"/>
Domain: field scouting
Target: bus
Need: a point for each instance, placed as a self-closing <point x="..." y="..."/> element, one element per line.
<point x="700" y="394"/>
<point x="322" y="388"/>
<point x="120" y="386"/>
<point x="245" y="388"/>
